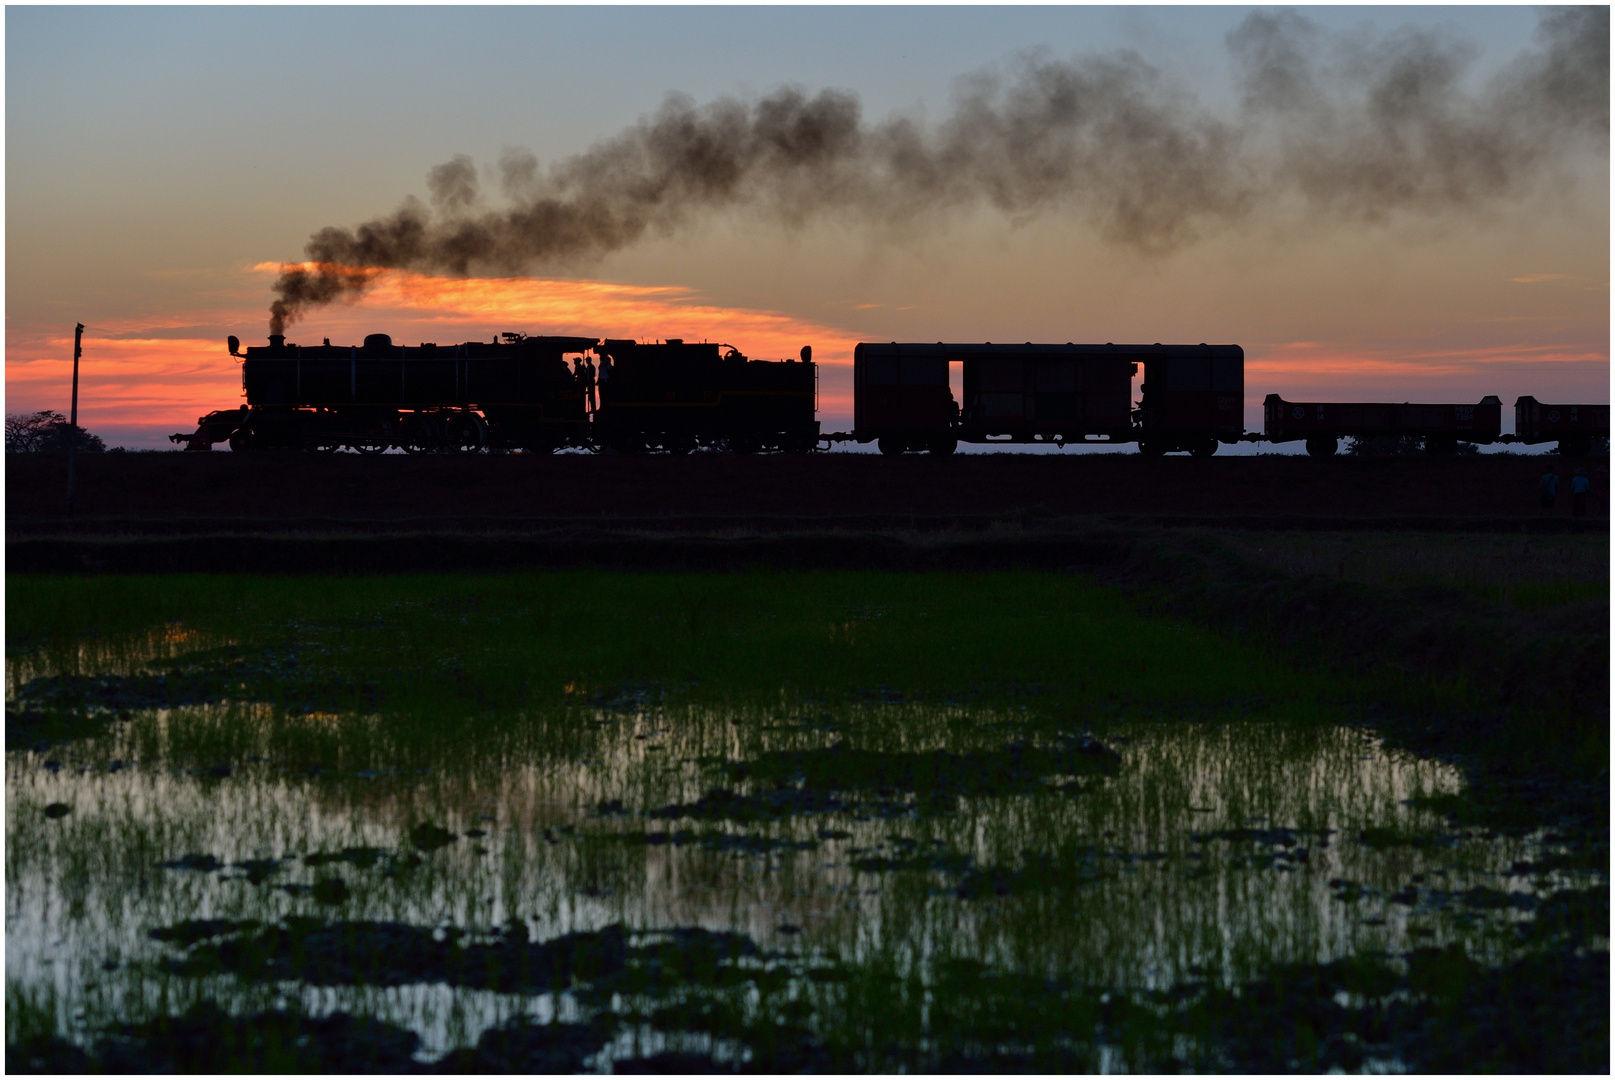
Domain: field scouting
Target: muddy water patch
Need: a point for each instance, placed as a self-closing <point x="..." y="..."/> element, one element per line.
<point x="759" y="876"/>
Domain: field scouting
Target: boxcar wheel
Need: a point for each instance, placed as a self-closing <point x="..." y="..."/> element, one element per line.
<point x="1150" y="448"/>
<point x="1321" y="447"/>
<point x="944" y="446"/>
<point x="1206" y="449"/>
<point x="890" y="446"/>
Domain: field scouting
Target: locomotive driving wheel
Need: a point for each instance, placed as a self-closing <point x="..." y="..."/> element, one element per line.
<point x="375" y="441"/>
<point x="467" y="433"/>
<point x="417" y="436"/>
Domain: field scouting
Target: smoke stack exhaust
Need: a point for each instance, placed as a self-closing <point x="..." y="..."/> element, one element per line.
<point x="1341" y="127"/>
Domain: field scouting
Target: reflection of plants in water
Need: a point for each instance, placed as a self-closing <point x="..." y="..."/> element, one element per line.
<point x="888" y="876"/>
<point x="1007" y="861"/>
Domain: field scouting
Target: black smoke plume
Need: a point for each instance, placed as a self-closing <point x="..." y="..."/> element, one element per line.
<point x="1355" y="128"/>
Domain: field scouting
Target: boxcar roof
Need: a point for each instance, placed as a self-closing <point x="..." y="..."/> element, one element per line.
<point x="944" y="348"/>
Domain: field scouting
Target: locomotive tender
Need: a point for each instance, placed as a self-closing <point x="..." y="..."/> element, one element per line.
<point x="542" y="394"/>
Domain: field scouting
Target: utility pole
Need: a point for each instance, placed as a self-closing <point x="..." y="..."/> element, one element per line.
<point x="73" y="414"/>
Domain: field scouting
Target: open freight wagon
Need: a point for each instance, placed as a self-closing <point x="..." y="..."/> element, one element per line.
<point x="1192" y="397"/>
<point x="1573" y="427"/>
<point x="1324" y="423"/>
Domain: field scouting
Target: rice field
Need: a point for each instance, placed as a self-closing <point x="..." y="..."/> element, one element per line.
<point x="596" y="822"/>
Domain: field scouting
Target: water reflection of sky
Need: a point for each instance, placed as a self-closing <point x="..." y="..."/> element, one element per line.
<point x="1213" y="850"/>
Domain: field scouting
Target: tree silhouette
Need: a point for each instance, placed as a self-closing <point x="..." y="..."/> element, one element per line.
<point x="47" y="430"/>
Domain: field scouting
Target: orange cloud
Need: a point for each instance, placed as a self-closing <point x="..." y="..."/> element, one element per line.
<point x="479" y="307"/>
<point x="137" y="389"/>
<point x="143" y="387"/>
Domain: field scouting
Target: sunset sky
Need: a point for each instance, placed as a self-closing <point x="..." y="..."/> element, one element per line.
<point x="1377" y="203"/>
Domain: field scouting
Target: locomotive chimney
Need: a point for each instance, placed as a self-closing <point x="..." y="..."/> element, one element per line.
<point x="277" y="341"/>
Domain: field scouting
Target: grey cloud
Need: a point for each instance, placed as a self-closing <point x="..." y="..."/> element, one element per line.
<point x="1357" y="128"/>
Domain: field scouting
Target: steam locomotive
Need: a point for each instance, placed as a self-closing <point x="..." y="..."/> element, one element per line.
<point x="517" y="392"/>
<point x="543" y="394"/>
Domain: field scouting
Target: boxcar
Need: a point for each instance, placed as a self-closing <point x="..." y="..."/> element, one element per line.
<point x="677" y="396"/>
<point x="1323" y="424"/>
<point x="1574" y="427"/>
<point x="1193" y="395"/>
<point x="900" y="397"/>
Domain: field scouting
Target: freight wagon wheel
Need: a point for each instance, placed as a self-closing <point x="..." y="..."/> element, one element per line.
<point x="1440" y="446"/>
<point x="944" y="446"/>
<point x="1150" y="448"/>
<point x="890" y="446"/>
<point x="1206" y="449"/>
<point x="1322" y="447"/>
<point x="742" y="444"/>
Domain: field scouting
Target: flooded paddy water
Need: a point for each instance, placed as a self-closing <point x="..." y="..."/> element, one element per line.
<point x="262" y="847"/>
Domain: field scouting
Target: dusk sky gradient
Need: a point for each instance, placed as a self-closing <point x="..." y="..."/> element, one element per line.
<point x="163" y="163"/>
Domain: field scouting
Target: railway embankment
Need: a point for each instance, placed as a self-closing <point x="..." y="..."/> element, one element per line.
<point x="139" y="493"/>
